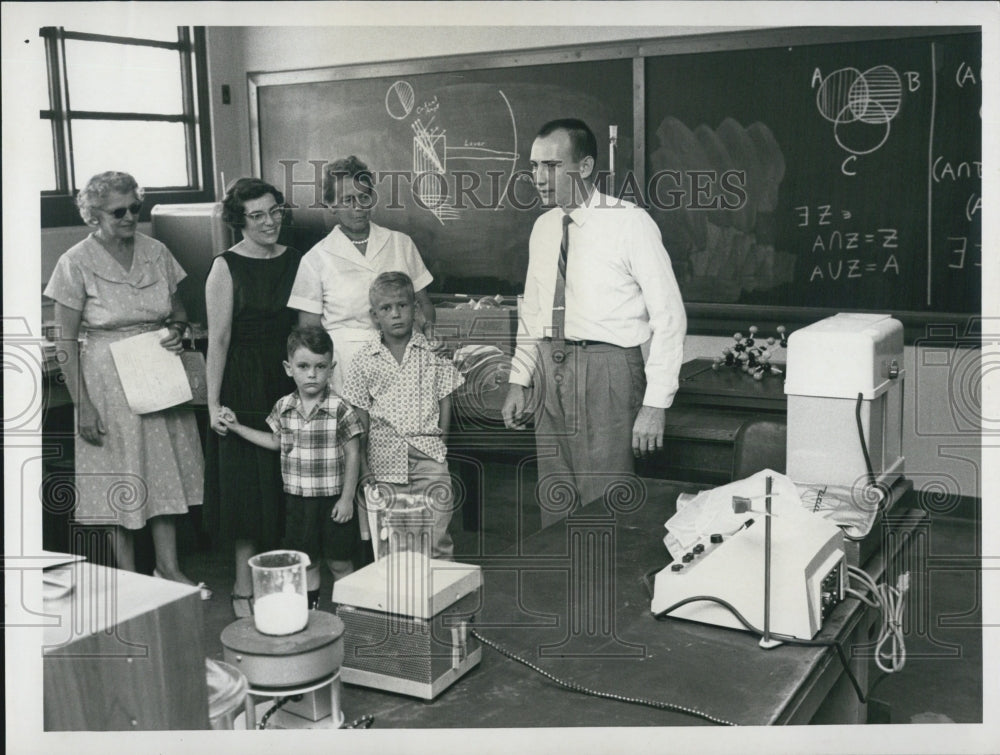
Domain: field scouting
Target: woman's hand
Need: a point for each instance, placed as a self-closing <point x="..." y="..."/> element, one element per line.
<point x="172" y="341"/>
<point x="90" y="424"/>
<point x="215" y="419"/>
<point x="226" y="418"/>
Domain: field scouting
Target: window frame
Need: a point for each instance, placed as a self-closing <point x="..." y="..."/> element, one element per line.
<point x="58" y="207"/>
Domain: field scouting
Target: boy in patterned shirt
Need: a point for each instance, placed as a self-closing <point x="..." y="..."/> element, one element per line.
<point x="402" y="390"/>
<point x="318" y="435"/>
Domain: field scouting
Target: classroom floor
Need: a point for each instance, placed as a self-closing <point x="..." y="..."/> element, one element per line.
<point x="941" y="681"/>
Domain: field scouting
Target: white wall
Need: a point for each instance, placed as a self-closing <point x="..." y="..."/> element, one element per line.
<point x="942" y="451"/>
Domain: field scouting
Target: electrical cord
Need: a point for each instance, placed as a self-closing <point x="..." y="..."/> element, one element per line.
<point x="861" y="438"/>
<point x="573" y="686"/>
<point x="861" y="596"/>
<point x="650" y="588"/>
<point x="862" y="576"/>
<point x="890" y="648"/>
<point x="365" y="722"/>
<point x="788" y="639"/>
<point x="278" y="705"/>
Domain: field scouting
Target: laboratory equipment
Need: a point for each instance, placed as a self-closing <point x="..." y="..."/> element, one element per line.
<point x="844" y="383"/>
<point x="407" y="623"/>
<point x="785" y="581"/>
<point x="280" y="601"/>
<point x="194" y="234"/>
<point x="227" y="693"/>
<point x="304" y="666"/>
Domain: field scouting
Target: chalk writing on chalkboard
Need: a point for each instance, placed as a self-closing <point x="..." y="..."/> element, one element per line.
<point x="880" y="199"/>
<point x="858" y="252"/>
<point x="878" y="136"/>
<point x="871" y="99"/>
<point x="958" y="177"/>
<point x="432" y="153"/>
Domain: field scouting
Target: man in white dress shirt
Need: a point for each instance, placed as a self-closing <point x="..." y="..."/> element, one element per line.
<point x="596" y="403"/>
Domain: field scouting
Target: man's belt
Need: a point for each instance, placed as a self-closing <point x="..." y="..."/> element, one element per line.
<point x="559" y="345"/>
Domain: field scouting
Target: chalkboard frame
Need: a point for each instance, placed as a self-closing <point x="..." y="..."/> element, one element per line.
<point x="703" y="318"/>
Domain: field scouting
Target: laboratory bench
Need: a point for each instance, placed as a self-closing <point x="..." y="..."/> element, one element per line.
<point x="720" y="422"/>
<point x="723" y="426"/>
<point x="571" y="599"/>
<point x="127" y="651"/>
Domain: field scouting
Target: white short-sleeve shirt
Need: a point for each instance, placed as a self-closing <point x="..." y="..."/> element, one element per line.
<point x="334" y="277"/>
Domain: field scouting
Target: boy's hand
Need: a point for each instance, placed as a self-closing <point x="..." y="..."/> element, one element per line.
<point x="343" y="511"/>
<point x="227" y="417"/>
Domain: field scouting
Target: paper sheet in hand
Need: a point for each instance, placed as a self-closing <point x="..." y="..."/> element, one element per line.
<point x="152" y="377"/>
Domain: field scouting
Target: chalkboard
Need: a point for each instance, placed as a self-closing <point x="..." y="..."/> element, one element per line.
<point x="450" y="150"/>
<point x="842" y="175"/>
<point x="792" y="172"/>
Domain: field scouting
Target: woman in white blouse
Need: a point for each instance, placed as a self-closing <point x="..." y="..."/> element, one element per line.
<point x="331" y="287"/>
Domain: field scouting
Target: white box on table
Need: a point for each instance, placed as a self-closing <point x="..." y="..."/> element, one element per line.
<point x="833" y="365"/>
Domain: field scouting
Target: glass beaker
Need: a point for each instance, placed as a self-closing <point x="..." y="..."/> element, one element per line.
<point x="280" y="603"/>
<point x="409" y="525"/>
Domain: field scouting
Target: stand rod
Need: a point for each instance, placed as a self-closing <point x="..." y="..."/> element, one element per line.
<point x="767" y="564"/>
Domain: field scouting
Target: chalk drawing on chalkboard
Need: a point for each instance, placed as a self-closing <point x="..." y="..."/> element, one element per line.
<point x="399" y="99"/>
<point x="861" y="106"/>
<point x="432" y="155"/>
<point x="430" y="184"/>
<point x="717" y="195"/>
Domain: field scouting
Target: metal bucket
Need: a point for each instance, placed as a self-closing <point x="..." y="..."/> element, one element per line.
<point x="227" y="694"/>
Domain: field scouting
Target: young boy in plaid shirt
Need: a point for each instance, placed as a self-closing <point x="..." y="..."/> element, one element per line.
<point x="402" y="390"/>
<point x="318" y="435"/>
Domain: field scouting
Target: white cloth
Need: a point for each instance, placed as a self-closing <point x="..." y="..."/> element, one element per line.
<point x="711" y="511"/>
<point x="333" y="281"/>
<point x="620" y="289"/>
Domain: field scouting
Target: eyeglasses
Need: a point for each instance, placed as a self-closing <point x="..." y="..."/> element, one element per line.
<point x="277" y="214"/>
<point x="119" y="212"/>
<point x="354" y="201"/>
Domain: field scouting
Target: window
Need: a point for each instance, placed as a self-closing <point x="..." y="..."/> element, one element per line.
<point x="137" y="102"/>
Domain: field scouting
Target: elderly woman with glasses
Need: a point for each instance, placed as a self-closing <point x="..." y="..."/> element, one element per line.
<point x="246" y="296"/>
<point x="331" y="288"/>
<point x="131" y="469"/>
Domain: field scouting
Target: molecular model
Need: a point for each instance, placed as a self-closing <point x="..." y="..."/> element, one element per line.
<point x="752" y="355"/>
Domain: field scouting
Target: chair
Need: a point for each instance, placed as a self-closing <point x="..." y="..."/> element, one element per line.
<point x="760" y="444"/>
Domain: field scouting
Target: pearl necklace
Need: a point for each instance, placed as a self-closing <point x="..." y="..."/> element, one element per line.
<point x="360" y="242"/>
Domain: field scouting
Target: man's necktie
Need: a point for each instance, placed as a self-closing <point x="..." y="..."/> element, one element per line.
<point x="559" y="300"/>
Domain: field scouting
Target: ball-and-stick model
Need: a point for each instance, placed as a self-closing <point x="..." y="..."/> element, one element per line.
<point x="751" y="354"/>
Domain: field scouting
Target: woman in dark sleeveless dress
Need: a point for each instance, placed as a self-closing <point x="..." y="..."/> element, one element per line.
<point x="248" y="323"/>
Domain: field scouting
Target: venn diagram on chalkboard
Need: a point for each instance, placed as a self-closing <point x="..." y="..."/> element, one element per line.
<point x="861" y="106"/>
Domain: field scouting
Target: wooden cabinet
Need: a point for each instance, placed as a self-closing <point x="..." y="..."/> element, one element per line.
<point x="127" y="654"/>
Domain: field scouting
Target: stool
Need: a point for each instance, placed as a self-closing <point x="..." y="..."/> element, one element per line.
<point x="317" y="708"/>
<point x="305" y="664"/>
